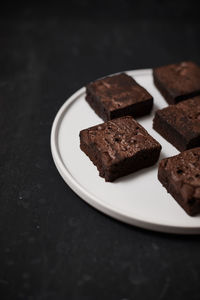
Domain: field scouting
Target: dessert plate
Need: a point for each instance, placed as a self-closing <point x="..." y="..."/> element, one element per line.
<point x="137" y="199"/>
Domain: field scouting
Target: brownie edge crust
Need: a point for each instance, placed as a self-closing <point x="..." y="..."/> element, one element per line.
<point x="119" y="147"/>
<point x="180" y="175"/>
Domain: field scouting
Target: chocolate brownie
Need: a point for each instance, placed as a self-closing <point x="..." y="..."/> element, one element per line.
<point x="180" y="124"/>
<point x="119" y="147"/>
<point x="178" y="82"/>
<point x="180" y="175"/>
<point x="117" y="96"/>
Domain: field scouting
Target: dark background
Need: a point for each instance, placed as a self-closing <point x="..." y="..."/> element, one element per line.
<point x="52" y="244"/>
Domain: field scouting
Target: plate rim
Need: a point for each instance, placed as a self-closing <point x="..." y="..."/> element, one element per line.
<point x="89" y="197"/>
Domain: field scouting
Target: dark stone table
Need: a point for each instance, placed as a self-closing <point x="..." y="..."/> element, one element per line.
<point x="52" y="244"/>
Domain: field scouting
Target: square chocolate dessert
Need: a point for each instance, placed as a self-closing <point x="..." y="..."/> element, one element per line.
<point x="118" y="95"/>
<point x="180" y="124"/>
<point x="178" y="82"/>
<point x="180" y="175"/>
<point x="119" y="147"/>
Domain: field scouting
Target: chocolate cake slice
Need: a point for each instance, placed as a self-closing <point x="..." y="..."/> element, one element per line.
<point x="117" y="96"/>
<point x="119" y="147"/>
<point x="180" y="175"/>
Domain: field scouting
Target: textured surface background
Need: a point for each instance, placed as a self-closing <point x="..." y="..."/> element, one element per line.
<point x="52" y="244"/>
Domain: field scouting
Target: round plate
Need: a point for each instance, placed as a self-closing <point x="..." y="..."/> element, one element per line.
<point x="138" y="199"/>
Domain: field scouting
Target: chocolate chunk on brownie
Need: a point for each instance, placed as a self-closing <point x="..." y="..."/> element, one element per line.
<point x="180" y="175"/>
<point x="180" y="124"/>
<point x="119" y="147"/>
<point x="178" y="82"/>
<point x="117" y="96"/>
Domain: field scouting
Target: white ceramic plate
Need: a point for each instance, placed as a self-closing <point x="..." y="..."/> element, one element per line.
<point x="138" y="199"/>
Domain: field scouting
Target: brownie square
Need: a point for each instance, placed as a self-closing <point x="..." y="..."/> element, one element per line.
<point x="119" y="147"/>
<point x="178" y="82"/>
<point x="180" y="124"/>
<point x="180" y="175"/>
<point x="117" y="96"/>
